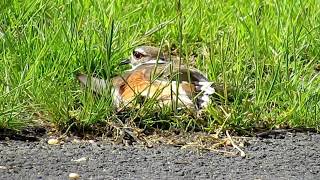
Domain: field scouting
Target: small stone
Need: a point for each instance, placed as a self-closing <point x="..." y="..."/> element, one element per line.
<point x="91" y="141"/>
<point x="242" y="154"/>
<point x="81" y="159"/>
<point x="76" y="141"/>
<point x="3" y="167"/>
<point x="74" y="176"/>
<point x="228" y="142"/>
<point x="53" y="141"/>
<point x="241" y="144"/>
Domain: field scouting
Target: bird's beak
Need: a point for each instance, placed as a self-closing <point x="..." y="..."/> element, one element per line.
<point x="125" y="61"/>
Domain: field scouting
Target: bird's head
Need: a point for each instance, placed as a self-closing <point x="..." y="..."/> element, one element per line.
<point x="145" y="55"/>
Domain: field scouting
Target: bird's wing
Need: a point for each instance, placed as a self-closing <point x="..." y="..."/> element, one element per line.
<point x="168" y="72"/>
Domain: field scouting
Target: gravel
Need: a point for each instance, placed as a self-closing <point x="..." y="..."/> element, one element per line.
<point x="294" y="156"/>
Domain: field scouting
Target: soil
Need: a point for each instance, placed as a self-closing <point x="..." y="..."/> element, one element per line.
<point x="289" y="156"/>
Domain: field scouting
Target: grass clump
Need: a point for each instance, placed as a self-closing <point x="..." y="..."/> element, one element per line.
<point x="264" y="50"/>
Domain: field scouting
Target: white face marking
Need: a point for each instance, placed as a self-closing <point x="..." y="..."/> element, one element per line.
<point x="133" y="67"/>
<point x="155" y="62"/>
<point x="140" y="50"/>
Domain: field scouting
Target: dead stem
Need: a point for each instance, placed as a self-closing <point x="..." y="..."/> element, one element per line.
<point x="242" y="153"/>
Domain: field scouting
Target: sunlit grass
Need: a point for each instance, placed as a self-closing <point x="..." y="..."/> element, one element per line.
<point x="264" y="50"/>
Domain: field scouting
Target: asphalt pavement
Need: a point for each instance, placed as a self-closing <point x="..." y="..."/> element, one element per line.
<point x="293" y="156"/>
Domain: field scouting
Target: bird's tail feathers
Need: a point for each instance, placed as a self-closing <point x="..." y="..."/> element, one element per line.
<point x="206" y="89"/>
<point x="95" y="84"/>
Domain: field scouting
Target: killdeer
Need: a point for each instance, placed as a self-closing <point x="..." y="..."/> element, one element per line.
<point x="155" y="74"/>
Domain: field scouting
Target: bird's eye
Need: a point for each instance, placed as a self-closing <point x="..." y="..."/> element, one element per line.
<point x="137" y="54"/>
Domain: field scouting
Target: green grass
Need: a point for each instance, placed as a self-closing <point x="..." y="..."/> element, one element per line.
<point x="265" y="50"/>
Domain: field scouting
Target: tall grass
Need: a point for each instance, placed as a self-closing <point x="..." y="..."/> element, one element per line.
<point x="264" y="50"/>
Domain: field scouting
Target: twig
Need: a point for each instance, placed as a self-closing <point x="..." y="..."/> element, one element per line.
<point x="228" y="115"/>
<point x="68" y="129"/>
<point x="242" y="154"/>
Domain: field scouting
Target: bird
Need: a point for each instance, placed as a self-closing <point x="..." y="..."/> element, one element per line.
<point x="155" y="74"/>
